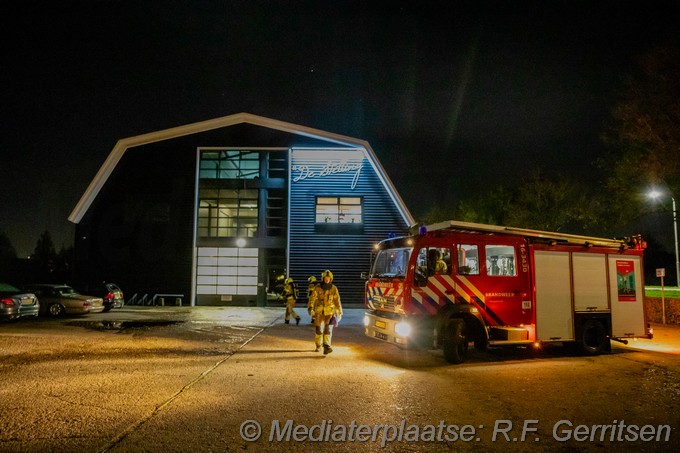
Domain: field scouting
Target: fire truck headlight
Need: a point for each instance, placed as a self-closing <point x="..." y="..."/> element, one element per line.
<point x="403" y="329"/>
<point x="366" y="321"/>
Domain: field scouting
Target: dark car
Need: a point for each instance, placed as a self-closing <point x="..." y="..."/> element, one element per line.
<point x="110" y="292"/>
<point x="58" y="300"/>
<point x="15" y="303"/>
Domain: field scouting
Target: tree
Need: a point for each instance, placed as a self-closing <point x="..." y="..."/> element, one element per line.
<point x="8" y="254"/>
<point x="538" y="202"/>
<point x="644" y="135"/>
<point x="44" y="255"/>
<point x="551" y="204"/>
<point x="64" y="263"/>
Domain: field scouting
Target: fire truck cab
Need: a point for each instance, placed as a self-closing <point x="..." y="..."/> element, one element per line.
<point x="456" y="283"/>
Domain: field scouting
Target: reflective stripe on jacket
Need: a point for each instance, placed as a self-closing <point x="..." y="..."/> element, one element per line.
<point x="326" y="302"/>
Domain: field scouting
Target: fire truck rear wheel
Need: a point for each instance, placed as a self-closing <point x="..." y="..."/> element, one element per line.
<point x="455" y="342"/>
<point x="593" y="338"/>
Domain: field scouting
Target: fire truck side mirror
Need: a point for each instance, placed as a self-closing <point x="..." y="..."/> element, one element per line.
<point x="420" y="279"/>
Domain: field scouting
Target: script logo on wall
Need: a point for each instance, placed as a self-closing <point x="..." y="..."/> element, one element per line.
<point x="308" y="164"/>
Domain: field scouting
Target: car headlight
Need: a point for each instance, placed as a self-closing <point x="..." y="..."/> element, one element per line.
<point x="403" y="329"/>
<point x="366" y="321"/>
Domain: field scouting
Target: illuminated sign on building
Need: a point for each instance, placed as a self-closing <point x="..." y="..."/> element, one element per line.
<point x="311" y="164"/>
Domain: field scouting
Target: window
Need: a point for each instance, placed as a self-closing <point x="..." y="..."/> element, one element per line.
<point x="226" y="271"/>
<point x="392" y="262"/>
<point x="500" y="260"/>
<point x="227" y="212"/>
<point x="278" y="165"/>
<point x="276" y="212"/>
<point x="434" y="261"/>
<point x="468" y="259"/>
<point x="338" y="210"/>
<point x="230" y="165"/>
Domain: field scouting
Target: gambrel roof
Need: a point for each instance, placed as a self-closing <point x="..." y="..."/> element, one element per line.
<point x="239" y="118"/>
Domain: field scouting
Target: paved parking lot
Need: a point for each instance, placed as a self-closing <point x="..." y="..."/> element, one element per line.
<point x="187" y="379"/>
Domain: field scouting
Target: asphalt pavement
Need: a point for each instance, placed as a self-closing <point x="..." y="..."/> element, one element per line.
<point x="221" y="378"/>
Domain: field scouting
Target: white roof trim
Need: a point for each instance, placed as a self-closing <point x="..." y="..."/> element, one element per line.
<point x="123" y="144"/>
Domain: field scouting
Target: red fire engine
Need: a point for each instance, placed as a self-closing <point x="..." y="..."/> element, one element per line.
<point x="457" y="282"/>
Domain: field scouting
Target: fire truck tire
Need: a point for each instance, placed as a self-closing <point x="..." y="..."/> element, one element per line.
<point x="593" y="338"/>
<point x="455" y="343"/>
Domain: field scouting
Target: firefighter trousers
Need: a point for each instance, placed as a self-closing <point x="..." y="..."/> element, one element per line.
<point x="324" y="330"/>
<point x="290" y="309"/>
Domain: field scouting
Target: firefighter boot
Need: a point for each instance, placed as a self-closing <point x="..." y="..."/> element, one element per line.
<point x="317" y="343"/>
<point x="297" y="321"/>
<point x="327" y="344"/>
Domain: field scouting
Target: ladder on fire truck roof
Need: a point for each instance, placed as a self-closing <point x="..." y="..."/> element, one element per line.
<point x="547" y="235"/>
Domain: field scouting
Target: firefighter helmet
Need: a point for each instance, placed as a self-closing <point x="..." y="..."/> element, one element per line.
<point x="311" y="279"/>
<point x="327" y="273"/>
<point x="288" y="280"/>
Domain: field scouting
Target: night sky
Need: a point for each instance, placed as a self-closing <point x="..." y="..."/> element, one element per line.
<point x="465" y="94"/>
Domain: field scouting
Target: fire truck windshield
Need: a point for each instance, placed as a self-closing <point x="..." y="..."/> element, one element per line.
<point x="392" y="262"/>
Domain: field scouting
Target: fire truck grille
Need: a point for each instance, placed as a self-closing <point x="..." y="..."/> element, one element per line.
<point x="384" y="302"/>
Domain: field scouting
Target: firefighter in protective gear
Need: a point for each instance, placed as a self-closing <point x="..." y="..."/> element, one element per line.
<point x="312" y="284"/>
<point x="435" y="264"/>
<point x="290" y="295"/>
<point x="325" y="307"/>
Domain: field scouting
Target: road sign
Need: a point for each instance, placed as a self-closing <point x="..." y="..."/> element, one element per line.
<point x="661" y="272"/>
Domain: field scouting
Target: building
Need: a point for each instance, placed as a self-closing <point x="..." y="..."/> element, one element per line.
<point x="216" y="212"/>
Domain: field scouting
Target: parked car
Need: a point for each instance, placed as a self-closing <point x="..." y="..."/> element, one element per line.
<point x="57" y="300"/>
<point x="110" y="292"/>
<point x="15" y="303"/>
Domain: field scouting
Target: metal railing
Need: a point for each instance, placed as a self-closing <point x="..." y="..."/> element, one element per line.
<point x="159" y="299"/>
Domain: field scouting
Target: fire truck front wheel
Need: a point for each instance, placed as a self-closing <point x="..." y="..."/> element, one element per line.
<point x="455" y="342"/>
<point x="593" y="337"/>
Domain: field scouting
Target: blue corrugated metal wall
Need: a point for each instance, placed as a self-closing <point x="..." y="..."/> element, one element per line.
<point x="345" y="249"/>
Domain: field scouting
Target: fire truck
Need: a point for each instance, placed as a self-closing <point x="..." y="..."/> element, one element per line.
<point x="455" y="283"/>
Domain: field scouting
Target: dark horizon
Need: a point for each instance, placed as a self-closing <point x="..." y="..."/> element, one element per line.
<point x="488" y="91"/>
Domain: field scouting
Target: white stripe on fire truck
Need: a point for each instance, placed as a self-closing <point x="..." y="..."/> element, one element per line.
<point x="480" y="300"/>
<point x="433" y="293"/>
<point x="434" y="296"/>
<point x="418" y="298"/>
<point x="471" y="288"/>
<point x="375" y="291"/>
<point x="442" y="287"/>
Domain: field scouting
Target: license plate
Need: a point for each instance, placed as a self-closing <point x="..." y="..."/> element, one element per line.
<point x="381" y="336"/>
<point x="381" y="324"/>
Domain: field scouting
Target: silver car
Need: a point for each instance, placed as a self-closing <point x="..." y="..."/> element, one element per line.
<point x="58" y="300"/>
<point x="15" y="303"/>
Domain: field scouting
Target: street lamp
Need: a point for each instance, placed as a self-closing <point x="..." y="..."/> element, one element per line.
<point x="656" y="194"/>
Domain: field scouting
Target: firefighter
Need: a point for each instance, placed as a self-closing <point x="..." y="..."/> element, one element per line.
<point x="436" y="265"/>
<point x="326" y="309"/>
<point x="312" y="284"/>
<point x="290" y="295"/>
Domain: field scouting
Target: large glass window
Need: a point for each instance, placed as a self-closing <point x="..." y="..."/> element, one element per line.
<point x="392" y="262"/>
<point x="230" y="165"/>
<point x="468" y="259"/>
<point x="434" y="261"/>
<point x="500" y="260"/>
<point x="227" y="212"/>
<point x="338" y="210"/>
